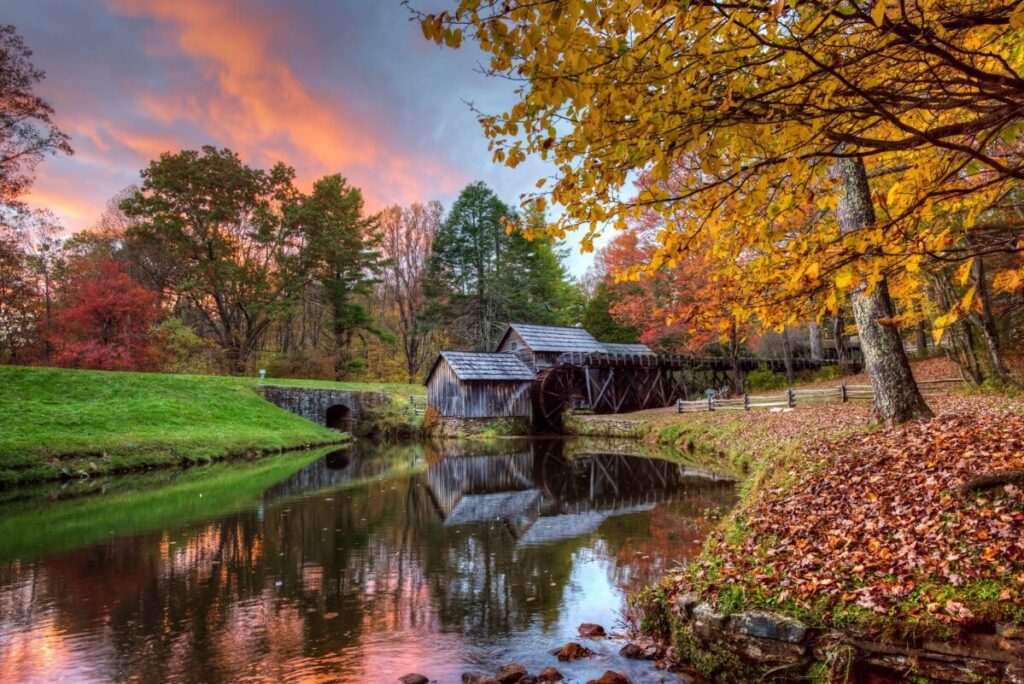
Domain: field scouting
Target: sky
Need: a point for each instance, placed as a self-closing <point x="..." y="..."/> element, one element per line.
<point x="326" y="86"/>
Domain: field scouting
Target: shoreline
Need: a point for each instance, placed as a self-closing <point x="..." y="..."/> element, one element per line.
<point x="751" y="621"/>
<point x="153" y="461"/>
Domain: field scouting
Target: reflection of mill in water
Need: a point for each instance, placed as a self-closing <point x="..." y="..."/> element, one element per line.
<point x="544" y="496"/>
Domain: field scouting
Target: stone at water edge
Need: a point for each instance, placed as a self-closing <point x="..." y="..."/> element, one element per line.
<point x="549" y="674"/>
<point x="610" y="677"/>
<point x="510" y="674"/>
<point x="589" y="630"/>
<point x="413" y="678"/>
<point x="638" y="652"/>
<point x="759" y="623"/>
<point x="572" y="651"/>
<point x="478" y="678"/>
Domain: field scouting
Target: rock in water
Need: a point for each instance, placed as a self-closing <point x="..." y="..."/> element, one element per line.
<point x="589" y="630"/>
<point x="638" y="652"/>
<point x="413" y="678"/>
<point x="573" y="651"/>
<point x="631" y="651"/>
<point x="510" y="674"/>
<point x="478" y="678"/>
<point x="610" y="677"/>
<point x="549" y="674"/>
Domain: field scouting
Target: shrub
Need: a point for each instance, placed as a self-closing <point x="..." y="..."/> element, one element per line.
<point x="761" y="379"/>
<point x="828" y="373"/>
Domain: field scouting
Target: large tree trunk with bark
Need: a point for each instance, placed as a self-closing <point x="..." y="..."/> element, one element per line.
<point x="897" y="397"/>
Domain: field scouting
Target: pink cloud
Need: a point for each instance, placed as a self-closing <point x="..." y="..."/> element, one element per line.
<point x="254" y="101"/>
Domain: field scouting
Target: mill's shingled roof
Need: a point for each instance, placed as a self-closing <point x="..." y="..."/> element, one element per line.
<point x="546" y="338"/>
<point x="487" y="366"/>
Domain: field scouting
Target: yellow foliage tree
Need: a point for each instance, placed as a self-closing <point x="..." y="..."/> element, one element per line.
<point x="779" y="113"/>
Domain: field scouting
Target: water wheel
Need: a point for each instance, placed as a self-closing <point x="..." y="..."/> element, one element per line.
<point x="556" y="390"/>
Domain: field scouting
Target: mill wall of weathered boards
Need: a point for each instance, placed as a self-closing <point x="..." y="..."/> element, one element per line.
<point x="538" y="372"/>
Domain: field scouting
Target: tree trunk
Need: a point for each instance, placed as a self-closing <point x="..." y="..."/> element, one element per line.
<point x="897" y="397"/>
<point x="838" y="337"/>
<point x="921" y="338"/>
<point x="734" y="358"/>
<point x="960" y="345"/>
<point x="787" y="355"/>
<point x="814" y="335"/>
<point x="986" y="322"/>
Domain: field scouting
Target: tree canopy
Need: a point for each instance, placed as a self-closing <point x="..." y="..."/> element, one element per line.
<point x="747" y="105"/>
<point x="27" y="130"/>
<point x="482" y="275"/>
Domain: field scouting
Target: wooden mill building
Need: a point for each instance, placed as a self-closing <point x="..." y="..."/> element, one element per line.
<point x="479" y="385"/>
<point x="498" y="384"/>
<point x="537" y="372"/>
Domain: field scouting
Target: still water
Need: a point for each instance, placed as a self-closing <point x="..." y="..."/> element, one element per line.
<point x="352" y="566"/>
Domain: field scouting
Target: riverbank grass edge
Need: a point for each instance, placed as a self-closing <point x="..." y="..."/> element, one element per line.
<point x="58" y="423"/>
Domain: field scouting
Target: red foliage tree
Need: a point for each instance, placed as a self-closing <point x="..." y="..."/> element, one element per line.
<point x="104" y="320"/>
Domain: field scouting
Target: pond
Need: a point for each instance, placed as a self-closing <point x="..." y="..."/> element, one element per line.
<point x="351" y="566"/>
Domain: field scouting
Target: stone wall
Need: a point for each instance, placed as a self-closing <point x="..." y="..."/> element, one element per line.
<point x="450" y="426"/>
<point x="314" y="403"/>
<point x="760" y="644"/>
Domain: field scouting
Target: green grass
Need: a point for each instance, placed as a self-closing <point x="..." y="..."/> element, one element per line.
<point x="398" y="390"/>
<point x="66" y="423"/>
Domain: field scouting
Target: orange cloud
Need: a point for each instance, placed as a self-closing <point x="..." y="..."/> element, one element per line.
<point x="74" y="212"/>
<point x="257" y="104"/>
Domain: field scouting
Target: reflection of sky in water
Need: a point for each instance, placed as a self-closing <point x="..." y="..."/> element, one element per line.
<point x="354" y="574"/>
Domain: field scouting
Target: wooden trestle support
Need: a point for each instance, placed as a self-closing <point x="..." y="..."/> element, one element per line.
<point x="602" y="382"/>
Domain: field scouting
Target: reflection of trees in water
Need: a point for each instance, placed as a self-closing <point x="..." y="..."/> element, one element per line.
<point x="249" y="593"/>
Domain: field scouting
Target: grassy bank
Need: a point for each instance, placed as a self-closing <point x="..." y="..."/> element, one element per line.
<point x="67" y="423"/>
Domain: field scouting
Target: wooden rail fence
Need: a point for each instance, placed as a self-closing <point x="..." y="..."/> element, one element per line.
<point x="417" y="404"/>
<point x="794" y="397"/>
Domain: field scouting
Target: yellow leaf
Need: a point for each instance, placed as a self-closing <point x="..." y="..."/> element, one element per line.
<point x="1007" y="281"/>
<point x="878" y="13"/>
<point x="844" y="278"/>
<point x="1017" y="18"/>
<point x="939" y="327"/>
<point x="965" y="303"/>
<point x="892" y="192"/>
<point x="963" y="272"/>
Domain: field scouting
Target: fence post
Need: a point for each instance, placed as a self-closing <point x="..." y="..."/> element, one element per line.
<point x="711" y="402"/>
<point x="746" y="402"/>
<point x="679" y="405"/>
<point x="842" y="391"/>
<point x="792" y="397"/>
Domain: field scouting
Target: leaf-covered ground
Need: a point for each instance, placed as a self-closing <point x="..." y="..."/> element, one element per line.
<point x="879" y="526"/>
<point x="846" y="524"/>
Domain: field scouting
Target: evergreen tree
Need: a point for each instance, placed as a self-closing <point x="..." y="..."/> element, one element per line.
<point x="481" y="277"/>
<point x="597" y="318"/>
<point x="341" y="256"/>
